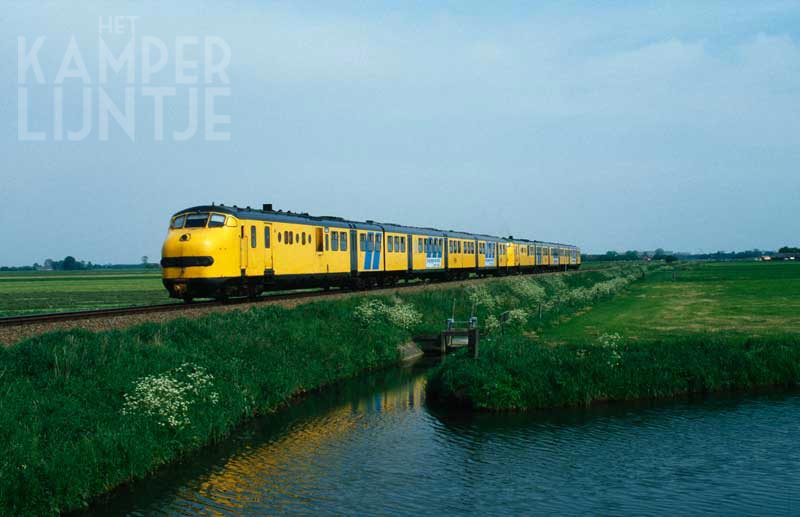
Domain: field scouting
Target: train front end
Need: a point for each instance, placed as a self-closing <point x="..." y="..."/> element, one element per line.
<point x="200" y="255"/>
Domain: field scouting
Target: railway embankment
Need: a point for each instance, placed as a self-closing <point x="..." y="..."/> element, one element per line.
<point x="83" y="412"/>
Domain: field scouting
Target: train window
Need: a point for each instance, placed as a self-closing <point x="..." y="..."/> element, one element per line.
<point x="279" y="236"/>
<point x="178" y="222"/>
<point x="396" y="243"/>
<point x="253" y="237"/>
<point x="370" y="242"/>
<point x="343" y="240"/>
<point x="419" y="244"/>
<point x="285" y="237"/>
<point x="327" y="242"/>
<point x="196" y="220"/>
<point x="459" y="247"/>
<point x="297" y="237"/>
<point x="389" y="244"/>
<point x="402" y="244"/>
<point x="266" y="236"/>
<point x="363" y="241"/>
<point x="378" y="237"/>
<point x="216" y="221"/>
<point x="303" y="238"/>
<point x="319" y="239"/>
<point x="334" y="241"/>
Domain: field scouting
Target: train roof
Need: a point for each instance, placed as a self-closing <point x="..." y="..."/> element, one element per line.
<point x="339" y="222"/>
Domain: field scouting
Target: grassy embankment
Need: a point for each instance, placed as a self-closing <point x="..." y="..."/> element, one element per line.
<point x="710" y="327"/>
<point x="82" y="412"/>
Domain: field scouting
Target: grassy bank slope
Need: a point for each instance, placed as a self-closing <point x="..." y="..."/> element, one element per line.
<point x="82" y="412"/>
<point x="517" y="374"/>
<point x="709" y="327"/>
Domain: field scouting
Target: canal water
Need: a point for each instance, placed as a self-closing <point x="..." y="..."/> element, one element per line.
<point x="371" y="446"/>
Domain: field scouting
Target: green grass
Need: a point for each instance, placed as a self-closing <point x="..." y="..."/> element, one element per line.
<point x="56" y="291"/>
<point x="693" y="329"/>
<point x="746" y="298"/>
<point x="75" y="421"/>
<point x="514" y="373"/>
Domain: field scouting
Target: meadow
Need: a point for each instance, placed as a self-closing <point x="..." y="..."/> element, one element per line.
<point x="749" y="299"/>
<point x="58" y="291"/>
<point x="691" y="329"/>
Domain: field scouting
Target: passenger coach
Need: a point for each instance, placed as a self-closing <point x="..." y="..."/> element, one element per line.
<point x="218" y="251"/>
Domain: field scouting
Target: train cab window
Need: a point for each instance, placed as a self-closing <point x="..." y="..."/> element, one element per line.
<point x="196" y="220"/>
<point x="266" y="236"/>
<point x="178" y="222"/>
<point x="334" y="241"/>
<point x="389" y="244"/>
<point x="343" y="241"/>
<point x="216" y="221"/>
<point x="253" y="237"/>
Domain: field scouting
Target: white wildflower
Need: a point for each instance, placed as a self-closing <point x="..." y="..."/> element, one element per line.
<point x="400" y="314"/>
<point x="169" y="396"/>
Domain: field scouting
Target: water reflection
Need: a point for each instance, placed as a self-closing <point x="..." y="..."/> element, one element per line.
<point x="372" y="446"/>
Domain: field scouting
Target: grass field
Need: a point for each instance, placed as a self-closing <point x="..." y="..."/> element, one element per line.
<point x="745" y="298"/>
<point x="52" y="291"/>
<point x="695" y="328"/>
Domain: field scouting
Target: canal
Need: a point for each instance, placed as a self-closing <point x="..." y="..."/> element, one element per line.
<point x="372" y="446"/>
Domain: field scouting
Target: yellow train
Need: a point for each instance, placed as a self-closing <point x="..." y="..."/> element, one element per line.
<point x="218" y="251"/>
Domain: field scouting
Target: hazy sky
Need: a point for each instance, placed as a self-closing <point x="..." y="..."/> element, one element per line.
<point x="611" y="125"/>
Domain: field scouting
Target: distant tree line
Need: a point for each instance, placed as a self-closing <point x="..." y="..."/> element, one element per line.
<point x="70" y="263"/>
<point x="669" y="256"/>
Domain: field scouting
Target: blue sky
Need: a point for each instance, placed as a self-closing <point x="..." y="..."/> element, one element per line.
<point x="611" y="125"/>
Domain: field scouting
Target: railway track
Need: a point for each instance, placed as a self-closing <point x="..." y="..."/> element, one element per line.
<point x="50" y="317"/>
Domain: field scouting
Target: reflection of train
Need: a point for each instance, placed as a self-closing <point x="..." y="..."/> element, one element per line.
<point x="219" y="251"/>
